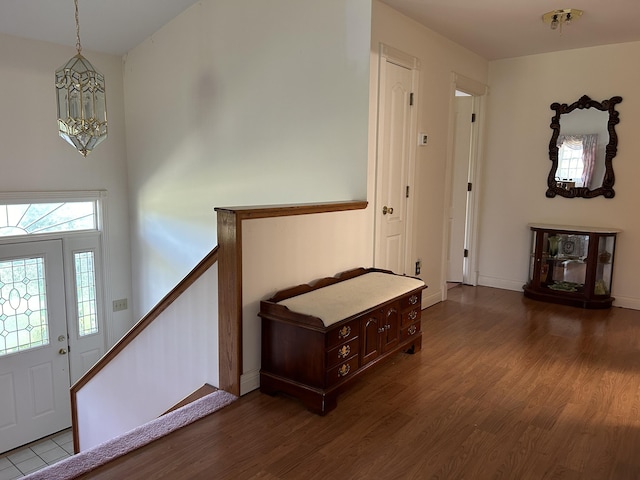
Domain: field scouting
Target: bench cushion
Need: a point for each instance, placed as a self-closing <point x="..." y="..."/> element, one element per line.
<point x="341" y="300"/>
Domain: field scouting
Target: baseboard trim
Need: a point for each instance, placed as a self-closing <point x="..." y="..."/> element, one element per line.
<point x="626" y="302"/>
<point x="249" y="381"/>
<point x="501" y="283"/>
<point x="431" y="298"/>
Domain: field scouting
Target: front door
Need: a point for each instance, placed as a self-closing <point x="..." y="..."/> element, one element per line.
<point x="34" y="365"/>
<point x="394" y="150"/>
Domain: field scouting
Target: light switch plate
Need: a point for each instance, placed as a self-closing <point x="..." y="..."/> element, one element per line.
<point x="120" y="304"/>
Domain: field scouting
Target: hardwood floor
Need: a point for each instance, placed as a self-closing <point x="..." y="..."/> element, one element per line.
<point x="504" y="388"/>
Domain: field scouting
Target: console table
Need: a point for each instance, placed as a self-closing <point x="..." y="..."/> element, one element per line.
<point x="571" y="265"/>
<point x="318" y="338"/>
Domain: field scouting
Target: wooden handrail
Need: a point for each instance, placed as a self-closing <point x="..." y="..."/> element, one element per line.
<point x="144" y="322"/>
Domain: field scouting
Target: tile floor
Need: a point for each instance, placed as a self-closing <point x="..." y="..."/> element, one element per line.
<point x="21" y="461"/>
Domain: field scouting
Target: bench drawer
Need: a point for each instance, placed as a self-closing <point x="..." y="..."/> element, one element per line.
<point x="344" y="370"/>
<point x="342" y="352"/>
<point x="343" y="333"/>
<point x="411" y="316"/>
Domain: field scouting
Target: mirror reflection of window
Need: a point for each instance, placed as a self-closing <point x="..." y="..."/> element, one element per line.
<point x="576" y="160"/>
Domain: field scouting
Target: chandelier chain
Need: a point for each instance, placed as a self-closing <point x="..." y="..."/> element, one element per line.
<point x="78" y="46"/>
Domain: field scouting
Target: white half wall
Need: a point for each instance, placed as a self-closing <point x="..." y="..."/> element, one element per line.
<point x="173" y="357"/>
<point x="284" y="252"/>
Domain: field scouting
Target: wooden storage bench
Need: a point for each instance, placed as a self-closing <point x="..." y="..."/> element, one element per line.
<point x="317" y="338"/>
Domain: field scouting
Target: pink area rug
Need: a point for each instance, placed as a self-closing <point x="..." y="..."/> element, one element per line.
<point x="86" y="461"/>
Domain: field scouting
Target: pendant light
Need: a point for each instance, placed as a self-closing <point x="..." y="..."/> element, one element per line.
<point x="82" y="108"/>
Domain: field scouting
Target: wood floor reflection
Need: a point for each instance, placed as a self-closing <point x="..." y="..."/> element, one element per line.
<point x="504" y="388"/>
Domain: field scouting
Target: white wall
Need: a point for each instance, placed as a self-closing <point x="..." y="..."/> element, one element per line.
<point x="165" y="363"/>
<point x="284" y="252"/>
<point x="517" y="160"/>
<point x="439" y="59"/>
<point x="241" y="102"/>
<point x="34" y="158"/>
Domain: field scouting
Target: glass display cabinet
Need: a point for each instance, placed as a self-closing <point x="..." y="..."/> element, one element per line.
<point x="571" y="265"/>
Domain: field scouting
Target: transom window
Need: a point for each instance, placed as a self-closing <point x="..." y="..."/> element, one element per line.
<point x="39" y="218"/>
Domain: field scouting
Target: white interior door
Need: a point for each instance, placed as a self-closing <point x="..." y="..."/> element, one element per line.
<point x="459" y="191"/>
<point x="394" y="133"/>
<point x="34" y="366"/>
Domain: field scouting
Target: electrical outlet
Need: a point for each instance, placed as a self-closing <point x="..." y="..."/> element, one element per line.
<point x="119" y="305"/>
<point x="422" y="139"/>
<point x="418" y="265"/>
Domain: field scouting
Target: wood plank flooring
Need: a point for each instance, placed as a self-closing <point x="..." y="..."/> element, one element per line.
<point x="504" y="388"/>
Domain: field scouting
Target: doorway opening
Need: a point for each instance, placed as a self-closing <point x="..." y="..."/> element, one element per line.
<point x="460" y="264"/>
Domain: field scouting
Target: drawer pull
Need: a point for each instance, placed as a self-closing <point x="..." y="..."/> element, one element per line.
<point x="344" y="351"/>
<point x="381" y="330"/>
<point x="344" y="332"/>
<point x="413" y="314"/>
<point x="343" y="371"/>
<point x="413" y="299"/>
<point x="412" y="329"/>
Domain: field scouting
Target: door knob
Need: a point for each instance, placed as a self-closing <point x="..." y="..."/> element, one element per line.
<point x="62" y="351"/>
<point x="386" y="210"/>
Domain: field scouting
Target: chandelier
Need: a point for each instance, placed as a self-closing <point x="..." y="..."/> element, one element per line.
<point x="82" y="108"/>
<point x="564" y="16"/>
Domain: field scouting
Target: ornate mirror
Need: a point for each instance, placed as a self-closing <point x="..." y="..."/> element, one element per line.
<point x="582" y="147"/>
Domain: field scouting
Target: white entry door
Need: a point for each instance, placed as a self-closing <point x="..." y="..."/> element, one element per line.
<point x="34" y="365"/>
<point x="394" y="149"/>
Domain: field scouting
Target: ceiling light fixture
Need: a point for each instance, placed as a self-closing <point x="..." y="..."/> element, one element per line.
<point x="82" y="107"/>
<point x="556" y="18"/>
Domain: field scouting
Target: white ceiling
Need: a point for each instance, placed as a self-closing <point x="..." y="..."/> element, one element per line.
<point x="109" y="26"/>
<point x="492" y="28"/>
<point x="511" y="28"/>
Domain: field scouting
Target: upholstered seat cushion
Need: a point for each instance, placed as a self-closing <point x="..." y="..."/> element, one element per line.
<point x="341" y="300"/>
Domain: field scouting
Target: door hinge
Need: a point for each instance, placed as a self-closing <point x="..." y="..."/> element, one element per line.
<point x="411" y="98"/>
<point x="473" y="117"/>
<point x="469" y="187"/>
<point x="466" y="253"/>
<point x="407" y="192"/>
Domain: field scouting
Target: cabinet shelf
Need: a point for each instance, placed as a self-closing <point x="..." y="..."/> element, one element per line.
<point x="571" y="265"/>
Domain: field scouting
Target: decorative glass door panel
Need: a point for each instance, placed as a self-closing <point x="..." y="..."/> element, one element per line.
<point x="23" y="305"/>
